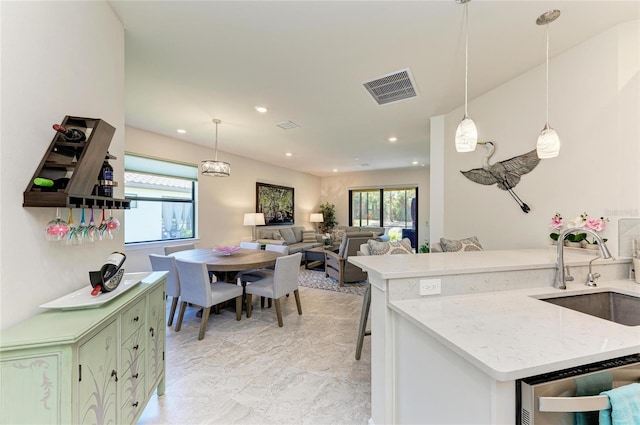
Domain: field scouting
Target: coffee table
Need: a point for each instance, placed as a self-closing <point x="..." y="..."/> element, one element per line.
<point x="314" y="258"/>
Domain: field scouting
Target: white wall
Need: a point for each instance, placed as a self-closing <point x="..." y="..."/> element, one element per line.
<point x="222" y="200"/>
<point x="335" y="189"/>
<point x="58" y="58"/>
<point x="594" y="106"/>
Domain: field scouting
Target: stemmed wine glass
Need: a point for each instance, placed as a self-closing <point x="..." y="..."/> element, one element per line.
<point x="81" y="231"/>
<point x="113" y="225"/>
<point x="57" y="228"/>
<point x="72" y="235"/>
<point x="93" y="232"/>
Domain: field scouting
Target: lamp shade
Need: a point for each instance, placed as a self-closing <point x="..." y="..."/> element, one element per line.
<point x="466" y="135"/>
<point x="316" y="218"/>
<point x="215" y="168"/>
<point x="548" y="145"/>
<point x="254" y="219"/>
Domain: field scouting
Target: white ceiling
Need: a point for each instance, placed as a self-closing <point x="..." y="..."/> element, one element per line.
<point x="188" y="62"/>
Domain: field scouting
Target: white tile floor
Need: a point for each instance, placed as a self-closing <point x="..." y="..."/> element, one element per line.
<point x="253" y="372"/>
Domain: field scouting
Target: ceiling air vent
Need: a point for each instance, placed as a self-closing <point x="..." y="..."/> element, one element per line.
<point x="287" y="125"/>
<point x="392" y="87"/>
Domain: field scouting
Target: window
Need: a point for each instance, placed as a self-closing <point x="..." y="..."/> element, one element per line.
<point x="163" y="196"/>
<point x="393" y="208"/>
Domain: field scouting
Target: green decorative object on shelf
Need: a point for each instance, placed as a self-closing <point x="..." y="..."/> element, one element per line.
<point x="424" y="248"/>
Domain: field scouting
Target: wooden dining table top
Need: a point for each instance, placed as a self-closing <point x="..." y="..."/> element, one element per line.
<point x="242" y="259"/>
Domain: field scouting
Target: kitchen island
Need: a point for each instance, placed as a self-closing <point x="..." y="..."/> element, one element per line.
<point x="454" y="359"/>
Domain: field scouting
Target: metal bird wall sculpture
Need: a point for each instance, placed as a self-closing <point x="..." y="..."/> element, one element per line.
<point x="506" y="174"/>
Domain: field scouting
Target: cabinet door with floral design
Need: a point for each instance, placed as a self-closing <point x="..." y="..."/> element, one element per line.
<point x="97" y="377"/>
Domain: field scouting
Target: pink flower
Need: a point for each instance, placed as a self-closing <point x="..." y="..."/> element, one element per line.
<point x="556" y="222"/>
<point x="597" y="224"/>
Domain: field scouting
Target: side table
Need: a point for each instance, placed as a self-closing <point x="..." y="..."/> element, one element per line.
<point x="314" y="258"/>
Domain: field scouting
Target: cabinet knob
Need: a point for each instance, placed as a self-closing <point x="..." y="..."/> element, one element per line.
<point x="135" y="347"/>
<point x="135" y="376"/>
<point x="114" y="373"/>
<point x="152" y="332"/>
<point x="135" y="319"/>
<point x="135" y="404"/>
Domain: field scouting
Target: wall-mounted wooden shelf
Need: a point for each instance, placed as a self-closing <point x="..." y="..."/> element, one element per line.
<point x="81" y="162"/>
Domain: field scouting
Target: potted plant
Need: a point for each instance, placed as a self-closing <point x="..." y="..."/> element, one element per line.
<point x="329" y="221"/>
<point x="424" y="248"/>
<point x="595" y="224"/>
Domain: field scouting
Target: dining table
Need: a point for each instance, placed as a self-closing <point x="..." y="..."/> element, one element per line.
<point x="240" y="260"/>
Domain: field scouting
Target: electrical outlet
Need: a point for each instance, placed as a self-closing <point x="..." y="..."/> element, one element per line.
<point x="430" y="286"/>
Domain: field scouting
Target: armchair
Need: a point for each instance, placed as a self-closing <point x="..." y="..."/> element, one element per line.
<point x="336" y="264"/>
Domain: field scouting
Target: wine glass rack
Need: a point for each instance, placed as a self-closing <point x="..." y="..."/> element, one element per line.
<point x="81" y="163"/>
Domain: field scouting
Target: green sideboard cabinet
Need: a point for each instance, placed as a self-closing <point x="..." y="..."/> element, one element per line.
<point x="87" y="366"/>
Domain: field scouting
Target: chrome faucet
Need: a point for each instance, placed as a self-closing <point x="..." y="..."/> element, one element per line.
<point x="591" y="277"/>
<point x="604" y="251"/>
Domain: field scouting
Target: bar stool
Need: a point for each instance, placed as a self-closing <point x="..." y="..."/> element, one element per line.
<point x="364" y="315"/>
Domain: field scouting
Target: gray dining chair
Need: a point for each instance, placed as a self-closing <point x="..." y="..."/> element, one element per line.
<point x="283" y="281"/>
<point x="164" y="263"/>
<point x="198" y="291"/>
<point x="175" y="248"/>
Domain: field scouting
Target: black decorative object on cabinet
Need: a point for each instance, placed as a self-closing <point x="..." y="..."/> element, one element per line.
<point x="80" y="162"/>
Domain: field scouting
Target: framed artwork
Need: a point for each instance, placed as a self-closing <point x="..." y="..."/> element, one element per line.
<point x="275" y="202"/>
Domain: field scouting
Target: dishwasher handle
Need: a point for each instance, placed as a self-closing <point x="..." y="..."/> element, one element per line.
<point x="573" y="404"/>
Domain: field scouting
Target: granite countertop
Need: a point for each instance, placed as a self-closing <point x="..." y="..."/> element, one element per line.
<point x="511" y="335"/>
<point x="441" y="264"/>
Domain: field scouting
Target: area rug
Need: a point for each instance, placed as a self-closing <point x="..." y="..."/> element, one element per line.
<point x="317" y="279"/>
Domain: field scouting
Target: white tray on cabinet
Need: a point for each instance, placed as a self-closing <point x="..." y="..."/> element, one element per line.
<point x="82" y="298"/>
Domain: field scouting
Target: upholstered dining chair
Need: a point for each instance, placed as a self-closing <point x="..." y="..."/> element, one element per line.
<point x="162" y="263"/>
<point x="197" y="290"/>
<point x="283" y="281"/>
<point x="175" y="248"/>
<point x="250" y="245"/>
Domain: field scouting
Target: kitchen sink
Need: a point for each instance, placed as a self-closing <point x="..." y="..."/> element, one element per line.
<point x="613" y="306"/>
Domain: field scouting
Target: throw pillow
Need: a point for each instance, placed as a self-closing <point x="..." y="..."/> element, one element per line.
<point x="277" y="236"/>
<point x="288" y="236"/>
<point x="390" y="248"/>
<point x="308" y="236"/>
<point x="297" y="233"/>
<point x="336" y="235"/>
<point x="468" y="244"/>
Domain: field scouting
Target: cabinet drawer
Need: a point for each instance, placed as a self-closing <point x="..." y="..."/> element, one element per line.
<point x="133" y="391"/>
<point x="132" y="319"/>
<point x="132" y="349"/>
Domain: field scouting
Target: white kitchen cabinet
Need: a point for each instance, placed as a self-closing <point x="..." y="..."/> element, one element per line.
<point x="98" y="365"/>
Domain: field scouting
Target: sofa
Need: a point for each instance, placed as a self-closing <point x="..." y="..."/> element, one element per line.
<point x="295" y="237"/>
<point x="377" y="233"/>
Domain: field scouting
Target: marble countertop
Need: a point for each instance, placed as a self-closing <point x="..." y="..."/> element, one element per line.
<point x="440" y="264"/>
<point x="511" y="335"/>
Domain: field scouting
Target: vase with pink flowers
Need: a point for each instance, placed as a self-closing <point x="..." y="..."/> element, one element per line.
<point x="577" y="239"/>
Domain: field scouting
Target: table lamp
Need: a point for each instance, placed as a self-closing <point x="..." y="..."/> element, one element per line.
<point x="254" y="219"/>
<point x="316" y="218"/>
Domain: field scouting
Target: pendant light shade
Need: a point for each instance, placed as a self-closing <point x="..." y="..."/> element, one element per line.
<point x="214" y="167"/>
<point x="467" y="132"/>
<point x="548" y="145"/>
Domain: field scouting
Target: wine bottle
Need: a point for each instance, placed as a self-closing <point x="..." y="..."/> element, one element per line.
<point x="105" y="178"/>
<point x="112" y="265"/>
<point x="70" y="134"/>
<point x="48" y="185"/>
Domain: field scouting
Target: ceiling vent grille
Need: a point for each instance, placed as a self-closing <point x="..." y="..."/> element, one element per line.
<point x="392" y="87"/>
<point x="287" y="125"/>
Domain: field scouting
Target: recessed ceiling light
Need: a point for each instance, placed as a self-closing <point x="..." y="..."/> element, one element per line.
<point x="335" y="170"/>
<point x="356" y="159"/>
<point x="181" y="131"/>
<point x="261" y="109"/>
<point x="288" y="154"/>
<point x="393" y="139"/>
<point x="415" y="163"/>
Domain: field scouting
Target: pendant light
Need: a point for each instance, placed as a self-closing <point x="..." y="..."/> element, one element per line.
<point x="548" y="145"/>
<point x="215" y="168"/>
<point x="466" y="133"/>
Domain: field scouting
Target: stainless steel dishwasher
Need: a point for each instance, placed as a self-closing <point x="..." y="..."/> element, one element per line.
<point x="556" y="398"/>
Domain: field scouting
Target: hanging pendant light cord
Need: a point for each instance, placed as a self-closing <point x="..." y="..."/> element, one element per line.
<point x="216" y="153"/>
<point x="466" y="55"/>
<point x="547" y="77"/>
